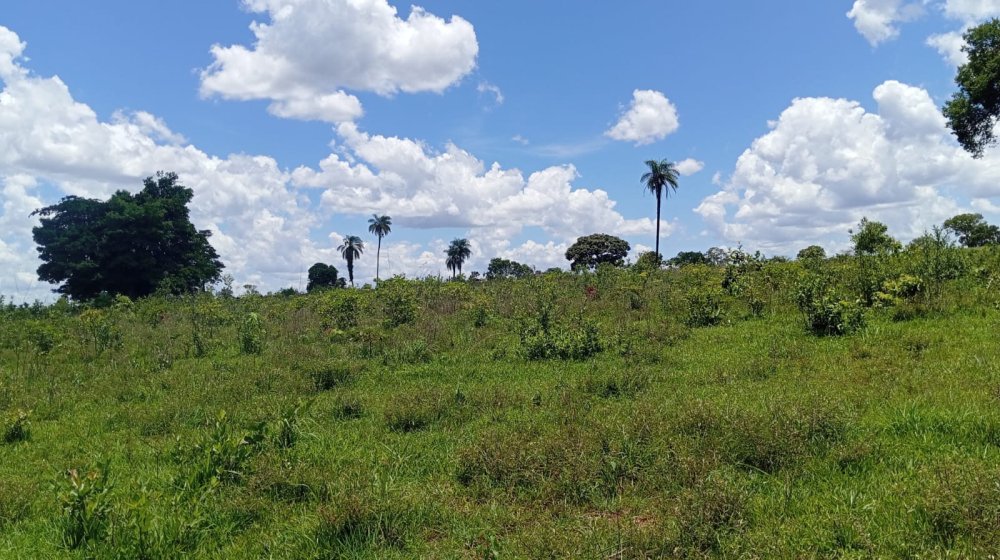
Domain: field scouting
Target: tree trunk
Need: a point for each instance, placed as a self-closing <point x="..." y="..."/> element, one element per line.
<point x="658" y="256"/>
<point x="350" y="270"/>
<point x="378" y="256"/>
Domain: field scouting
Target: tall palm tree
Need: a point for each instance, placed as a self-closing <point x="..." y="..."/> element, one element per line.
<point x="457" y="252"/>
<point x="350" y="249"/>
<point x="453" y="264"/>
<point x="662" y="176"/>
<point x="380" y="226"/>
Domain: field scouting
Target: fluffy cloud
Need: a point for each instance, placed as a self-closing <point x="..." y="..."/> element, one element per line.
<point x="651" y="117"/>
<point x="313" y="50"/>
<point x="52" y="145"/>
<point x="689" y="166"/>
<point x="949" y="46"/>
<point x="971" y="10"/>
<point x="877" y="20"/>
<point x="48" y="139"/>
<point x="423" y="188"/>
<point x="828" y="162"/>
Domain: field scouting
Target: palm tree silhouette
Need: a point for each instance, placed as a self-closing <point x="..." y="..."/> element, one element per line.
<point x="350" y="249"/>
<point x="380" y="226"/>
<point x="662" y="176"/>
<point x="457" y="252"/>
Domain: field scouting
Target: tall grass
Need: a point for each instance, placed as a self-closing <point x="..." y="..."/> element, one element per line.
<point x="733" y="411"/>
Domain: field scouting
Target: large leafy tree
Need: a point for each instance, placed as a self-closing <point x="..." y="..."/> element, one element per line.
<point x="457" y="253"/>
<point x="972" y="230"/>
<point x="685" y="258"/>
<point x="130" y="244"/>
<point x="872" y="238"/>
<point x="380" y="226"/>
<point x="659" y="180"/>
<point x="323" y="276"/>
<point x="351" y="248"/>
<point x="974" y="108"/>
<point x="592" y="250"/>
<point x="811" y="253"/>
<point x="504" y="268"/>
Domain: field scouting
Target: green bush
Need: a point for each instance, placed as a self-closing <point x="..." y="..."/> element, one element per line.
<point x="399" y="302"/>
<point x="328" y="374"/>
<point x="825" y="314"/>
<point x="85" y="504"/>
<point x="251" y="334"/>
<point x="220" y="457"/>
<point x="564" y="342"/>
<point x="16" y="426"/>
<point x="704" y="309"/>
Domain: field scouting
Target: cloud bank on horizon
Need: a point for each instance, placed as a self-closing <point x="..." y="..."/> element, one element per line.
<point x="823" y="163"/>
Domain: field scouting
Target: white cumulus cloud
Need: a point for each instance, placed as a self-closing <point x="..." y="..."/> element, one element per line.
<point x="828" y="162"/>
<point x="689" y="166"/>
<point x="262" y="223"/>
<point x="649" y="118"/>
<point x="311" y="51"/>
<point x="421" y="187"/>
<point x="877" y="20"/>
<point x="971" y="10"/>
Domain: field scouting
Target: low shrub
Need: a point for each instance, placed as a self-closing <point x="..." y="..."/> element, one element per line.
<point x="85" y="504"/>
<point x="251" y="334"/>
<point x="577" y="341"/>
<point x="16" y="426"/>
<point x="399" y="302"/>
<point x="704" y="309"/>
<point x="328" y="374"/>
<point x="220" y="457"/>
<point x="825" y="314"/>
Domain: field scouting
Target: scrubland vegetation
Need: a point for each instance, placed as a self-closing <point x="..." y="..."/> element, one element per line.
<point x="834" y="408"/>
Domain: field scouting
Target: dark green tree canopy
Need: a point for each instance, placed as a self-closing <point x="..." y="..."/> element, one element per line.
<point x="974" y="108"/>
<point x="129" y="244"/>
<point x="503" y="268"/>
<point x="871" y="238"/>
<point x="812" y="253"/>
<point x="972" y="230"/>
<point x="647" y="261"/>
<point x="324" y="276"/>
<point x="592" y="250"/>
<point x="689" y="257"/>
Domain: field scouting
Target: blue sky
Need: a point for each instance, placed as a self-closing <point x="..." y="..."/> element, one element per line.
<point x="795" y="118"/>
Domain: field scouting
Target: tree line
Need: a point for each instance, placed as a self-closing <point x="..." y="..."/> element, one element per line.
<point x="138" y="244"/>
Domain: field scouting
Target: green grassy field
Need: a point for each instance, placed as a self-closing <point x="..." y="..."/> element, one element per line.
<point x="619" y="414"/>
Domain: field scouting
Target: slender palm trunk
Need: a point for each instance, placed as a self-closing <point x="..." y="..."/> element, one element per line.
<point x="350" y="270"/>
<point x="378" y="256"/>
<point x="658" y="194"/>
